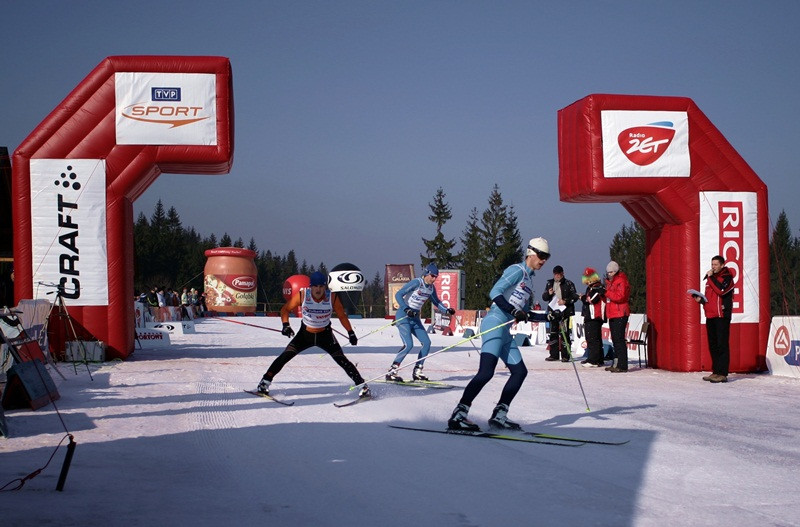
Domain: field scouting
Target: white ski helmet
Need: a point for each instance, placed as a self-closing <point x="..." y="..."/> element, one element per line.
<point x="540" y="247"/>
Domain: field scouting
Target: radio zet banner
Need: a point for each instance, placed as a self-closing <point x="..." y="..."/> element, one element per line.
<point x="68" y="229"/>
<point x="729" y="228"/>
<point x="166" y="108"/>
<point x="645" y="144"/>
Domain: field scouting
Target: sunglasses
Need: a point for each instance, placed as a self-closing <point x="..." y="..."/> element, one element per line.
<point x="540" y="254"/>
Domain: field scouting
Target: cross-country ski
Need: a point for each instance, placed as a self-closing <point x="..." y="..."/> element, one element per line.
<point x="270" y="398"/>
<point x="487" y="435"/>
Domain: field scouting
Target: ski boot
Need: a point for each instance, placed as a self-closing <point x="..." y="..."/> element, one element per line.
<point x="417" y="375"/>
<point x="364" y="393"/>
<point x="500" y="420"/>
<point x="459" y="421"/>
<point x="391" y="375"/>
<point x="263" y="387"/>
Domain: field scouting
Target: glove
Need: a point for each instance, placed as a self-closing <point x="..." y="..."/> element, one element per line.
<point x="554" y="315"/>
<point x="411" y="313"/>
<point x="451" y="311"/>
<point x="287" y="330"/>
<point x="519" y="315"/>
<point x="352" y="336"/>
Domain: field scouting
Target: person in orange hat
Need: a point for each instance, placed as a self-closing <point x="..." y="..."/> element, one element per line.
<point x="594" y="314"/>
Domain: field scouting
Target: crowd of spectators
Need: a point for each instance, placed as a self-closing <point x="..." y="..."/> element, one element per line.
<point x="164" y="303"/>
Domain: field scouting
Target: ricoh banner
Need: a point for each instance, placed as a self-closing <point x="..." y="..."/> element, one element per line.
<point x="68" y="227"/>
<point x="154" y="108"/>
<point x="645" y="144"/>
<point x="728" y="228"/>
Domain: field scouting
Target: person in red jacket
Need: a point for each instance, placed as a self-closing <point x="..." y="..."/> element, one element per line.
<point x="718" y="306"/>
<point x="618" y="309"/>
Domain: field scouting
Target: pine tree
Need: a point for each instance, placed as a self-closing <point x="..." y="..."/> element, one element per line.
<point x="784" y="260"/>
<point x="475" y="265"/>
<point x="439" y="249"/>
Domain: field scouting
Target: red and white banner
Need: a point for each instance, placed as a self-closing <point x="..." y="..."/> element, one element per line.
<point x="645" y="143"/>
<point x="68" y="229"/>
<point x="729" y="227"/>
<point x="166" y="108"/>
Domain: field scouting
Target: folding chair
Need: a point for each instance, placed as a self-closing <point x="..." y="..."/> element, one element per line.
<point x="641" y="342"/>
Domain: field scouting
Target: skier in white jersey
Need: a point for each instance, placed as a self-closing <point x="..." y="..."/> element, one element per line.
<point x="318" y="303"/>
<point x="410" y="299"/>
<point x="512" y="296"/>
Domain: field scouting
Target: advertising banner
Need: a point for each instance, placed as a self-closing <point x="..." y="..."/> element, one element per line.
<point x="397" y="275"/>
<point x="450" y="290"/>
<point x="68" y="229"/>
<point x="645" y="143"/>
<point x="166" y="108"/>
<point x="783" y="347"/>
<point x="729" y="228"/>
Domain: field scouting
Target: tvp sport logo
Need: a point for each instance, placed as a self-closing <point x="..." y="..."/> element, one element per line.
<point x="164" y="107"/>
<point x="643" y="145"/>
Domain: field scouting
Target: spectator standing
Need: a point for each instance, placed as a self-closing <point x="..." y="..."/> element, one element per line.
<point x="564" y="291"/>
<point x="593" y="312"/>
<point x="618" y="310"/>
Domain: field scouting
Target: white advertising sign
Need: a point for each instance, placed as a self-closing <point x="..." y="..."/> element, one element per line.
<point x="783" y="347"/>
<point x="729" y="228"/>
<point x="68" y="229"/>
<point x="645" y="143"/>
<point x="166" y="108"/>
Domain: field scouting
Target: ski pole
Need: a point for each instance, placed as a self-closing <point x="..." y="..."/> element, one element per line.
<point x="368" y="334"/>
<point x="437" y="352"/>
<point x="251" y="325"/>
<point x="569" y="350"/>
<point x="392" y="323"/>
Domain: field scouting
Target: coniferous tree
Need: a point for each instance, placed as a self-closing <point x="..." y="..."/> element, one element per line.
<point x="439" y="249"/>
<point x="475" y="265"/>
<point x="784" y="260"/>
<point x="628" y="250"/>
<point x="372" y="299"/>
<point x="501" y="238"/>
<point x="225" y="241"/>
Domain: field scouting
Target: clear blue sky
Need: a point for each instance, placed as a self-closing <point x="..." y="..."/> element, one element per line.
<point x="350" y="114"/>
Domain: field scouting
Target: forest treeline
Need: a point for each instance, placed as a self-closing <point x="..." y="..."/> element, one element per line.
<point x="171" y="255"/>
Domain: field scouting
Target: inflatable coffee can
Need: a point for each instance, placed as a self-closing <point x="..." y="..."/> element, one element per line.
<point x="230" y="280"/>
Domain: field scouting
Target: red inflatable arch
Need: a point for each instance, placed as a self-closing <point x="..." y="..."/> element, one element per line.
<point x="76" y="176"/>
<point x="694" y="196"/>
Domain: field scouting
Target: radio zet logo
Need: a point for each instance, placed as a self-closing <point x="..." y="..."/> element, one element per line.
<point x="643" y="145"/>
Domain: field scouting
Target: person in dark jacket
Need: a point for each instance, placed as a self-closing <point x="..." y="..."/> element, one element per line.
<point x="594" y="315"/>
<point x="566" y="294"/>
<point x="718" y="307"/>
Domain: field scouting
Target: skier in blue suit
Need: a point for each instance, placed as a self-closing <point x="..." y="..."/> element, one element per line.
<point x="410" y="299"/>
<point x="512" y="295"/>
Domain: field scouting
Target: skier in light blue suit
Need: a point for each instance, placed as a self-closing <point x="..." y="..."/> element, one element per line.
<point x="512" y="296"/>
<point x="410" y="299"/>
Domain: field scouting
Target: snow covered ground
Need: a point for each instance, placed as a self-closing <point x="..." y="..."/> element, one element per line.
<point x="169" y="437"/>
